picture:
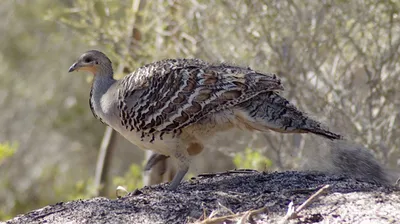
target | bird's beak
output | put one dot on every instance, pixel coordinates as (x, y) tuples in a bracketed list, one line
[(73, 67), (79, 66)]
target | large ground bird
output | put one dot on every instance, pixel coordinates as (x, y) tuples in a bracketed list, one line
[(174, 106)]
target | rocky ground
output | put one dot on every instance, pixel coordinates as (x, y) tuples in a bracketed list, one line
[(242, 196)]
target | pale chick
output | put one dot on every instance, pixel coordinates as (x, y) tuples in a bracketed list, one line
[(174, 106)]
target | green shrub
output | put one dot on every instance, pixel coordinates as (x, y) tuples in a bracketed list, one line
[(251, 159), (7, 149), (131, 180), (83, 189)]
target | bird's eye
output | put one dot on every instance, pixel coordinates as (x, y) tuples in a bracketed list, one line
[(87, 60)]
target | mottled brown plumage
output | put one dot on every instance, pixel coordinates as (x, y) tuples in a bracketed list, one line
[(173, 106), (177, 93)]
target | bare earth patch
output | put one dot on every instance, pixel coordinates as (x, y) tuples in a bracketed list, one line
[(236, 197)]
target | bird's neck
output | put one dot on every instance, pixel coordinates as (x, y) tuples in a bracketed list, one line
[(102, 89), (101, 84), (103, 80)]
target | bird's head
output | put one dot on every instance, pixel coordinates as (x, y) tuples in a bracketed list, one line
[(94, 62)]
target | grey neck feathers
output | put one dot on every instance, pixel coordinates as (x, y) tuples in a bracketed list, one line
[(103, 80), (101, 84)]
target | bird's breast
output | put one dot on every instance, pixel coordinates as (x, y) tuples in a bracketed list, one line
[(163, 146)]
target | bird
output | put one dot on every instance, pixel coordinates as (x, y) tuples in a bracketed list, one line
[(174, 106)]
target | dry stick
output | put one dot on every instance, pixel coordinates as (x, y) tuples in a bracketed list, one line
[(244, 218), (397, 184), (292, 213), (246, 215), (238, 171), (49, 213), (103, 162), (105, 152)]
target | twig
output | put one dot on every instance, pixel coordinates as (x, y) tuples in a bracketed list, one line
[(49, 213), (293, 213), (105, 152), (228, 172), (243, 216), (103, 161)]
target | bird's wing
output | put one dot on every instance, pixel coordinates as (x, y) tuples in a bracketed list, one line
[(170, 95)]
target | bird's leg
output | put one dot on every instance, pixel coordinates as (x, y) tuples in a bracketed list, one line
[(182, 159), (178, 178), (153, 160)]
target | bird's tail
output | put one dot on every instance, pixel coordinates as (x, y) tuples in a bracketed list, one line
[(270, 111), (316, 128)]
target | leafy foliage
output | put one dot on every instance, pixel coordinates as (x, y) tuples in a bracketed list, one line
[(251, 159), (131, 180), (7, 149), (82, 189)]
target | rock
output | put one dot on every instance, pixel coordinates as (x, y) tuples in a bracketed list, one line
[(232, 194)]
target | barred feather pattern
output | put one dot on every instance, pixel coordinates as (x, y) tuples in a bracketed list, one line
[(270, 110), (169, 95)]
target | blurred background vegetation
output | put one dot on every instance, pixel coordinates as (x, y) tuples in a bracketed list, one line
[(339, 61)]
